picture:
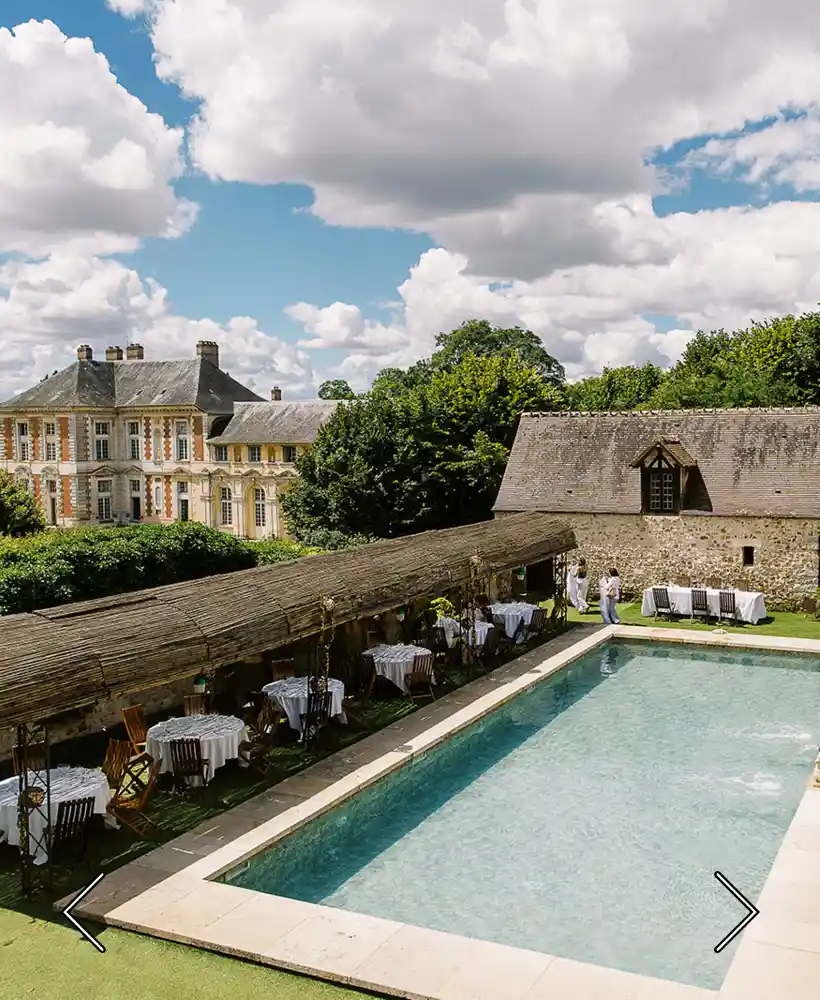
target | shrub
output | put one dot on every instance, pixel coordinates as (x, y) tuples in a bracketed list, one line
[(330, 540), (76, 564)]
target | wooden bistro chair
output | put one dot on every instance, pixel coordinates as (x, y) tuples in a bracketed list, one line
[(187, 762), (537, 622), (30, 758), (490, 648), (420, 680), (69, 835), (318, 712), (282, 669), (700, 604), (663, 606), (117, 755), (131, 799), (728, 605), (194, 705), (136, 727), (368, 668)]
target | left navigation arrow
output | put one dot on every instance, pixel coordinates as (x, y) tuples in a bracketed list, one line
[(75, 922)]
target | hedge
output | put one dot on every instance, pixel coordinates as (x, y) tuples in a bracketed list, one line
[(77, 564)]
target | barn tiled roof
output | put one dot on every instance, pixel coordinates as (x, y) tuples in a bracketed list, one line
[(749, 462), (276, 423), (115, 384)]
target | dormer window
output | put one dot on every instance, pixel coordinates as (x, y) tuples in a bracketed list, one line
[(663, 488), (665, 468)]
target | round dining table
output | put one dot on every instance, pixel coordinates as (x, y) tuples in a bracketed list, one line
[(291, 694), (219, 737), (66, 783), (396, 662)]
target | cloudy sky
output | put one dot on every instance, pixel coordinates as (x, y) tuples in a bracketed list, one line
[(324, 185)]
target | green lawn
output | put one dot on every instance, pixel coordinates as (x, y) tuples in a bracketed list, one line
[(784, 623), (52, 962)]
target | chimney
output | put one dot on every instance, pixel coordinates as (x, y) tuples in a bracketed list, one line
[(84, 353), (208, 350), (134, 352), (276, 394), (113, 354)]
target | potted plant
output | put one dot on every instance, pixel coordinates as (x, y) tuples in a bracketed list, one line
[(442, 608), (200, 684)]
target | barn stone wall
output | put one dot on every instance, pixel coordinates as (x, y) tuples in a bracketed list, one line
[(651, 550)]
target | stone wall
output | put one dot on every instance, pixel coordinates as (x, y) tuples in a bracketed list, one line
[(651, 550), (106, 714)]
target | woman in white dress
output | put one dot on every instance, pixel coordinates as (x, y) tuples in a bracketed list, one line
[(582, 586), (614, 595), (604, 590)]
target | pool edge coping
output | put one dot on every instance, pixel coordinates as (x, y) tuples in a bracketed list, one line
[(191, 907)]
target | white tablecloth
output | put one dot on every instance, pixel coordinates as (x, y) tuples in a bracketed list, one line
[(292, 695), (453, 629), (750, 605), (66, 783), (218, 735), (512, 615), (395, 662)]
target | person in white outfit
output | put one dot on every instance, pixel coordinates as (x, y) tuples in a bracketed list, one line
[(582, 586), (604, 588), (614, 595)]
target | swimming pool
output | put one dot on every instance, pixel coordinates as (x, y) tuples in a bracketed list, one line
[(586, 817)]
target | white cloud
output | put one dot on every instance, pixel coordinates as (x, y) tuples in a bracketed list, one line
[(785, 152), (49, 307), (84, 163), (514, 133)]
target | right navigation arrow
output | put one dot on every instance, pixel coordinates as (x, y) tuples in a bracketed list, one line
[(744, 923)]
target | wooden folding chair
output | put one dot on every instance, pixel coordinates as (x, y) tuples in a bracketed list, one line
[(30, 758), (420, 678), (188, 763), (131, 799), (69, 835), (490, 647), (368, 668), (663, 606), (117, 755), (700, 603), (194, 705), (136, 727), (728, 605)]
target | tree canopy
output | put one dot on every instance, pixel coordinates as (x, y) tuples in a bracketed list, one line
[(426, 454), (20, 511), (336, 388), (477, 336)]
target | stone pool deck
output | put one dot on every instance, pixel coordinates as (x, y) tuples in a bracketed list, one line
[(169, 892)]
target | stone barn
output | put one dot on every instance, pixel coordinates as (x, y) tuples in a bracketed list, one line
[(730, 497)]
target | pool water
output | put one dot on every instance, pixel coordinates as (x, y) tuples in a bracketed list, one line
[(585, 818)]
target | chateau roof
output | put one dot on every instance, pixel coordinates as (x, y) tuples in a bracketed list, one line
[(751, 462), (276, 422), (68, 657), (119, 384)]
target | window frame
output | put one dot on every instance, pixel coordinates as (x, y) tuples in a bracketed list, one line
[(660, 468), (225, 506), (181, 439), (220, 450), (254, 454), (260, 516), (289, 453)]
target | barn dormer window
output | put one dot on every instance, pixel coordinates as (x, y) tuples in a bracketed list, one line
[(665, 467), (663, 487)]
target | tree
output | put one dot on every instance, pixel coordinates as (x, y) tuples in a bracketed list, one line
[(627, 388), (425, 456), (336, 388), (20, 512), (477, 336)]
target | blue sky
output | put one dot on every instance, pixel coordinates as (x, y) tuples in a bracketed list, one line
[(426, 179), (251, 252)]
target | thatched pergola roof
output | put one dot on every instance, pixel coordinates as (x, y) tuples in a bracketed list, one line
[(75, 655)]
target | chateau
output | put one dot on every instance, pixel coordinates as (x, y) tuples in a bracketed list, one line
[(128, 440), (732, 495)]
